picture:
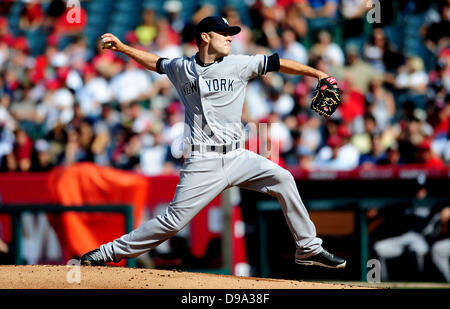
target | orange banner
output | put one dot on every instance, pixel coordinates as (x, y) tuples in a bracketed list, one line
[(87, 184)]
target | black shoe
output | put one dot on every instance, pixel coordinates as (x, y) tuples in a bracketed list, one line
[(92, 258), (324, 259)]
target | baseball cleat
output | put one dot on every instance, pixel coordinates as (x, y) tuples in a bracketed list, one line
[(92, 258), (323, 259)]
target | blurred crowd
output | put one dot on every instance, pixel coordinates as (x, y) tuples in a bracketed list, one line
[(81, 103)]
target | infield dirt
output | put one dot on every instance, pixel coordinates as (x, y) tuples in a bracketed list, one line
[(55, 277)]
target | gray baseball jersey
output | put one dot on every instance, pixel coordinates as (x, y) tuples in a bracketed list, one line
[(214, 96)]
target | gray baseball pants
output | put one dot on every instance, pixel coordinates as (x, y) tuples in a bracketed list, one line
[(395, 246), (203, 177), (440, 253)]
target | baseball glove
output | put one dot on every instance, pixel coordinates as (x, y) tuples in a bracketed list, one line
[(327, 97)]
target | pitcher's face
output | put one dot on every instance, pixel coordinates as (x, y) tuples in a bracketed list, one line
[(220, 42)]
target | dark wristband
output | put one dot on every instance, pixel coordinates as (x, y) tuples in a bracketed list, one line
[(273, 63), (158, 66)]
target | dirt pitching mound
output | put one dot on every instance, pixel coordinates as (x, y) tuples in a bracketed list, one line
[(64, 277)]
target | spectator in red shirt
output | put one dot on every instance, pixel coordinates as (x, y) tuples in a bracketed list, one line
[(31, 16), (71, 22), (352, 104), (23, 150), (5, 34), (427, 157)]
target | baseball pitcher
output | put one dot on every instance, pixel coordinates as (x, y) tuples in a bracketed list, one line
[(211, 85)]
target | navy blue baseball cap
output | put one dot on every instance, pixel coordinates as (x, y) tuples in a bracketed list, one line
[(216, 24)]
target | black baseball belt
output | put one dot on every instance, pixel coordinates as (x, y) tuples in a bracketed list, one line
[(223, 149)]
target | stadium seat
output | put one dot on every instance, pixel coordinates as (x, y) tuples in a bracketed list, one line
[(118, 30), (98, 20), (126, 20), (412, 41), (92, 35), (14, 25), (188, 10), (13, 18), (394, 34), (100, 7), (36, 41), (216, 3), (242, 9), (157, 5)]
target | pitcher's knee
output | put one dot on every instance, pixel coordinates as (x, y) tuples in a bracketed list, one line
[(420, 249), (284, 176), (419, 246)]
